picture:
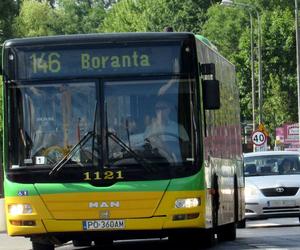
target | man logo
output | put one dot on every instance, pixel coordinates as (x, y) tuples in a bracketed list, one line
[(104, 214), (104, 204), (279, 189)]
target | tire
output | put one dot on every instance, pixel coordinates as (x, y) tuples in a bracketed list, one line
[(208, 238), (81, 243), (215, 202), (40, 246), (103, 242), (227, 232), (199, 237), (241, 224)]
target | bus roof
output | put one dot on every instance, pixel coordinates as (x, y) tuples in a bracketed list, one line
[(104, 37), (206, 41)]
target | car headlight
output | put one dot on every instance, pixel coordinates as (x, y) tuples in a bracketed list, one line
[(187, 203), (251, 191), (18, 209)]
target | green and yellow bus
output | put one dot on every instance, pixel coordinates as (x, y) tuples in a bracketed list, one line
[(2, 213), (116, 136)]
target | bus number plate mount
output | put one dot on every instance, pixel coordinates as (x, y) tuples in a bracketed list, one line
[(103, 224)]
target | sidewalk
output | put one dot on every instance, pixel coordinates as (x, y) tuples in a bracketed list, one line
[(14, 243)]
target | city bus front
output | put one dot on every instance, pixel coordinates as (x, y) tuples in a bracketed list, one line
[(102, 137)]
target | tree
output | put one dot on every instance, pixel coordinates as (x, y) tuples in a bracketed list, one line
[(278, 56), (40, 18), (154, 15), (8, 10), (35, 19), (79, 16), (279, 71), (228, 29)]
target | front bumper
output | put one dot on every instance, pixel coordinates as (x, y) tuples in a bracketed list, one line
[(272, 207)]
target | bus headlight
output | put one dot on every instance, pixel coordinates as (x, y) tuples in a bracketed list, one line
[(18, 209), (187, 203)]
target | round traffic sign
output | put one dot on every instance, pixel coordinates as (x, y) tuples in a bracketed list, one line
[(258, 138)]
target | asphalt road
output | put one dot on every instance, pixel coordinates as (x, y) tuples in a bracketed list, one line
[(269, 234)]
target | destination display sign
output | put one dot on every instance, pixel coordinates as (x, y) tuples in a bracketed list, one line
[(55, 62)]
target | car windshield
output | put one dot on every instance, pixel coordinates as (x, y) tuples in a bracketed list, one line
[(271, 165)]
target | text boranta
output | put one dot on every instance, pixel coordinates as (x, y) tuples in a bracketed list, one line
[(89, 61)]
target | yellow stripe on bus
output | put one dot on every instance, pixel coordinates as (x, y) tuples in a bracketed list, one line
[(62, 205)]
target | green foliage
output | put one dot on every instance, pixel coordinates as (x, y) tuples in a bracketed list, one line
[(229, 29), (8, 11), (35, 19), (154, 15), (279, 57), (75, 17), (131, 15), (224, 28), (43, 18)]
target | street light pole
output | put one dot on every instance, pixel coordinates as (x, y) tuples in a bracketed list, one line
[(252, 72), (259, 39), (260, 83), (298, 63)]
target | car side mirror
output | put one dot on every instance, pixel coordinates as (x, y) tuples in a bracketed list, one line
[(211, 94)]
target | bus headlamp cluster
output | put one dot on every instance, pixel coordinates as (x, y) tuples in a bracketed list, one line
[(187, 203), (18, 209)]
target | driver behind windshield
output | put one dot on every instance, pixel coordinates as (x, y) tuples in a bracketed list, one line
[(162, 126)]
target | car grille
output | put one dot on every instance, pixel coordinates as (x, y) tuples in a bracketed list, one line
[(283, 210), (281, 191)]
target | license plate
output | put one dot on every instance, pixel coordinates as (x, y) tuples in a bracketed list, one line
[(103, 224), (281, 203)]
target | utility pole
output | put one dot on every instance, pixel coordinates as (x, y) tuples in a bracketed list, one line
[(298, 63), (260, 82)]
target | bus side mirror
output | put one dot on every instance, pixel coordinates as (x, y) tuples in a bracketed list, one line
[(211, 94)]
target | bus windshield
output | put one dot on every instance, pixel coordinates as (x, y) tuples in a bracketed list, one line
[(132, 122)]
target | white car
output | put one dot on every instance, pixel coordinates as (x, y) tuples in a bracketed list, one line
[(272, 182)]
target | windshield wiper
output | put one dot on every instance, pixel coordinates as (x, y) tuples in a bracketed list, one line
[(123, 145), (73, 150)]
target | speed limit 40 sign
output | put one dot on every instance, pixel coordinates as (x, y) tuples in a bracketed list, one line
[(258, 138)]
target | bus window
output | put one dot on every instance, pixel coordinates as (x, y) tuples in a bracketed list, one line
[(57, 117), (133, 114)]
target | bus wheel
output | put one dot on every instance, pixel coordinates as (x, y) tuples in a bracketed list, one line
[(81, 243), (227, 232), (203, 237), (215, 201), (103, 242), (208, 237), (241, 223), (40, 246)]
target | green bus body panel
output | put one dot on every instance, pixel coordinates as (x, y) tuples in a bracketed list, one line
[(191, 183)]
